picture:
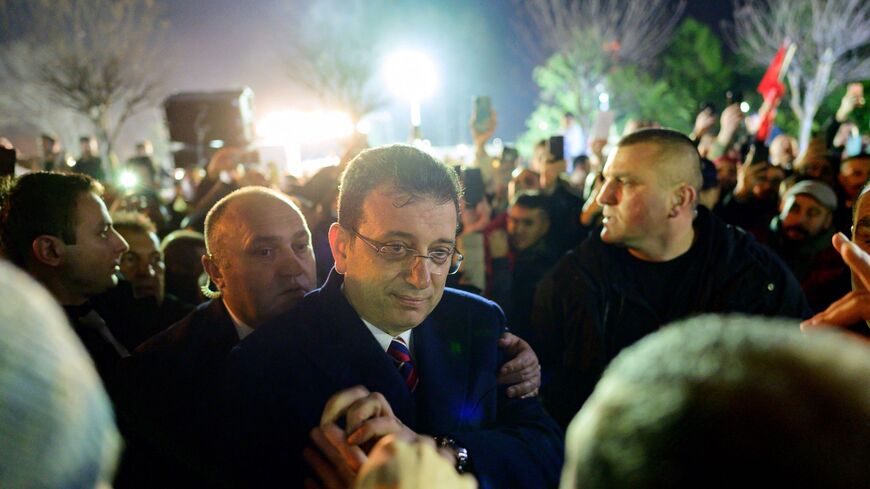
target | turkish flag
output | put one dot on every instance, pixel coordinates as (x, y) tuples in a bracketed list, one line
[(771, 89)]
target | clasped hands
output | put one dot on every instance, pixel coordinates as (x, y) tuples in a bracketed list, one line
[(340, 453)]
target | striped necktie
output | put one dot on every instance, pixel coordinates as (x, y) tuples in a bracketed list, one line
[(398, 351)]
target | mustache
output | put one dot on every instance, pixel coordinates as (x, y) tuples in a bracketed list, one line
[(798, 229)]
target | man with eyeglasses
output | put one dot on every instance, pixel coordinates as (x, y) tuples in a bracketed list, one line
[(384, 348)]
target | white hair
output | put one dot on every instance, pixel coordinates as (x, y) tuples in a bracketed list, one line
[(57, 428)]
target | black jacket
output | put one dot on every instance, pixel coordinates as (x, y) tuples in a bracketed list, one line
[(170, 422), (589, 307)]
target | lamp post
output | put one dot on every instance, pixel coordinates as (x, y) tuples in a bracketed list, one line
[(412, 76)]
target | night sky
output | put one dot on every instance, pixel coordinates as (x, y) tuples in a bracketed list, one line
[(223, 44)]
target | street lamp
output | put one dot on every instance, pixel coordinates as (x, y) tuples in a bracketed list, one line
[(411, 75)]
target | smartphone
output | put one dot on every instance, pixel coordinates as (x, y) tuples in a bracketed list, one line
[(482, 113), (7, 161), (557, 148), (472, 180), (509, 156), (733, 97)]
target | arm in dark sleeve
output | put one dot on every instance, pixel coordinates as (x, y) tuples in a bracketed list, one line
[(522, 447), (526, 449)]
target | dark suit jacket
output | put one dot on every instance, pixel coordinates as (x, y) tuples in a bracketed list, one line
[(174, 379), (281, 376)]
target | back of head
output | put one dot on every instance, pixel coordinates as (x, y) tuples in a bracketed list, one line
[(126, 221), (38, 204), (56, 423), (719, 401), (182, 253), (532, 199), (677, 156), (408, 171)]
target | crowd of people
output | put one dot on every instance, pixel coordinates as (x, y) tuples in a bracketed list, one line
[(393, 321)]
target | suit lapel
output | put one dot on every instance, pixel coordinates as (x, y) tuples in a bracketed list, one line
[(344, 350), (222, 335)]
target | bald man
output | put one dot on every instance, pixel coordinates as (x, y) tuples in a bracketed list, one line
[(659, 257), (260, 263), (260, 260)]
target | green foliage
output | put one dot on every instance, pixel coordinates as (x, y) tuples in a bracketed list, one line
[(639, 95), (694, 63), (692, 70), (788, 122)]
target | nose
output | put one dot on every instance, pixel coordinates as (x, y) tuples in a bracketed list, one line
[(290, 264), (146, 269), (419, 275), (607, 194), (121, 245)]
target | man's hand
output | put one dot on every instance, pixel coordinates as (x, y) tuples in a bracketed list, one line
[(854, 306), (395, 463), (477, 219), (703, 122), (748, 174), (523, 370), (498, 244), (850, 100), (729, 121), (224, 160), (480, 138), (334, 462), (368, 416)]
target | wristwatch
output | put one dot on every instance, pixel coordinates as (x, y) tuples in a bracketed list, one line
[(460, 453)]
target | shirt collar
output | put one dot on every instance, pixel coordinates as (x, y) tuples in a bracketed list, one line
[(242, 329), (384, 339)]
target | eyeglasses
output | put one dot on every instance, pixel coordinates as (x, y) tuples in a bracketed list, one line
[(445, 259)]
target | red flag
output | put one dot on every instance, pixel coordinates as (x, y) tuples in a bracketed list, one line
[(772, 89)]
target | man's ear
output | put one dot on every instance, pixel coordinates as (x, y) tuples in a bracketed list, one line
[(684, 199), (214, 272), (49, 250), (339, 242)]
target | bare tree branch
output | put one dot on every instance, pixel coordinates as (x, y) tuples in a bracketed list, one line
[(98, 57), (339, 64), (586, 39), (832, 37)]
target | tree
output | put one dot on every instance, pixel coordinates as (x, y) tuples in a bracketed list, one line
[(24, 104), (96, 58), (336, 56), (832, 38), (695, 63), (670, 89), (590, 38)]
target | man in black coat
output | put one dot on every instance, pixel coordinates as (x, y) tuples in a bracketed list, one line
[(659, 257), (259, 257), (384, 348)]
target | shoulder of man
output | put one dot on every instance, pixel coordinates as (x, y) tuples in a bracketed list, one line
[(748, 276)]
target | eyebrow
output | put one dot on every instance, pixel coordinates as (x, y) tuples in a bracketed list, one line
[(277, 239), (864, 222), (410, 237)]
